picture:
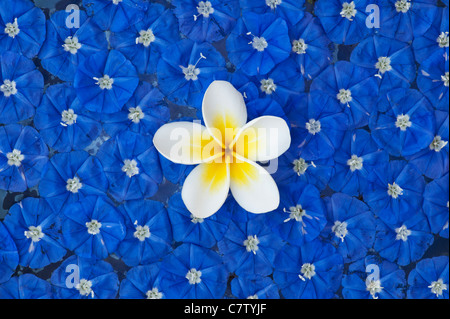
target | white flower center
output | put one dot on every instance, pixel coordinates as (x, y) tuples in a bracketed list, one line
[(251, 244), (34, 233), (300, 166), (384, 64), (68, 117), (373, 287), (105, 82), (402, 233), (194, 276), (437, 287), (255, 296), (307, 271), (142, 232), (71, 45), (348, 10), (437, 144), (355, 163), (340, 229), (394, 190), (154, 294), (205, 9), (145, 37), (12, 29), (93, 227), (443, 40), (8, 88), (445, 79), (73, 185), (313, 126), (191, 72), (268, 86), (84, 287), (299, 46), (402, 6), (135, 114), (15, 158), (130, 167), (344, 96), (403, 122), (259, 43), (296, 213), (273, 3), (196, 220), (116, 2)]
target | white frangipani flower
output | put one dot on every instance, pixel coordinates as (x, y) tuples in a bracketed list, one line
[(226, 149)]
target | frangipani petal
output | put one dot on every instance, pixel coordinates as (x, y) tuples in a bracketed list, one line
[(206, 189)]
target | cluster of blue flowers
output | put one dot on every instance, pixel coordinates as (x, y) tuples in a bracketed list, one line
[(364, 86)]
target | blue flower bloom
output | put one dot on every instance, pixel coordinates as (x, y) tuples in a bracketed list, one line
[(250, 247), (435, 205), (310, 46), (23, 28), (70, 177), (429, 280), (23, 157), (186, 69), (131, 164), (63, 124), (26, 286), (253, 286), (243, 84), (355, 161), (258, 43), (395, 192), (173, 172), (105, 81), (343, 21), (311, 271), (189, 229), (21, 87), (391, 61), (79, 278), (143, 42), (144, 113), (371, 278), (404, 123), (34, 227), (65, 48), (9, 257), (264, 106), (193, 272), (206, 21), (142, 282), (289, 10), (301, 215), (148, 232)]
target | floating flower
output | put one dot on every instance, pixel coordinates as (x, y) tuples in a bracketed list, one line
[(34, 227), (105, 81), (253, 286), (142, 282), (21, 87), (9, 257), (435, 205), (429, 280), (26, 286), (193, 272), (23, 157), (289, 10), (258, 43), (226, 149), (131, 164), (22, 28), (311, 271), (148, 232)]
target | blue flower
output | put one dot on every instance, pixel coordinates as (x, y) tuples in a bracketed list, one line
[(264, 106), (115, 15), (355, 161), (144, 113), (317, 125), (243, 84), (258, 43), (310, 46), (254, 286), (311, 271), (70, 177), (395, 191), (193, 272), (21, 87), (432, 161), (435, 205), (62, 122), (79, 278), (9, 257), (131, 164), (23, 28), (404, 123), (186, 69), (23, 157), (301, 215), (189, 229), (429, 280), (391, 61), (143, 42), (105, 81), (250, 247), (142, 282), (371, 278), (206, 21), (34, 227), (289, 10), (26, 286), (148, 232), (173, 172), (64, 47), (343, 21)]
